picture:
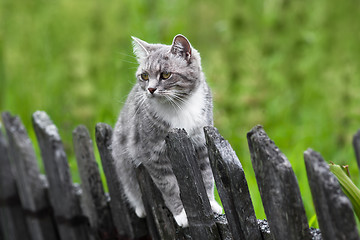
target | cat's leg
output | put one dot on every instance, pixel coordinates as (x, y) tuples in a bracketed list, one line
[(127, 175), (207, 175), (164, 178)]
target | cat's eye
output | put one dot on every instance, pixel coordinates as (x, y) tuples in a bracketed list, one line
[(165, 75), (144, 76)]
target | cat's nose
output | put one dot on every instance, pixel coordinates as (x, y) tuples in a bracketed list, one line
[(152, 90)]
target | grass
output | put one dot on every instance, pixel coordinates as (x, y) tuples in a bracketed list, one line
[(291, 66), (347, 186)]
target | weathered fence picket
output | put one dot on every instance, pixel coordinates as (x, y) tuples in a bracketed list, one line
[(278, 188), (232, 186), (127, 223), (95, 203), (2, 236), (71, 222), (333, 208), (192, 190), (12, 218), (33, 208), (159, 219), (31, 186)]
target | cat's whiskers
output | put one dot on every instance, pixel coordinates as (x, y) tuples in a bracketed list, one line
[(179, 98), (123, 60), (175, 101), (141, 100), (127, 55), (174, 93)]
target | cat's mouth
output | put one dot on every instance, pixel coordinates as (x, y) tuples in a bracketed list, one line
[(174, 98), (153, 95), (157, 96), (160, 97)]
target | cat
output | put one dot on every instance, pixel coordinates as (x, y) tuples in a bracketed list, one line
[(171, 92)]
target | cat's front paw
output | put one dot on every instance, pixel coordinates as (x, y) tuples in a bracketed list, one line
[(216, 208), (140, 212), (181, 219)]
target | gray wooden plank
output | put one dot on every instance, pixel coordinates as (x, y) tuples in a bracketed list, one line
[(181, 153), (12, 218), (96, 207), (278, 188), (232, 186), (159, 219), (2, 235), (356, 145), (125, 219), (71, 222), (13, 221), (333, 209), (32, 190), (223, 227), (265, 230), (7, 180)]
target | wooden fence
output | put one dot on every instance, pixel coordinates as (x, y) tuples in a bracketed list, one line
[(38, 207)]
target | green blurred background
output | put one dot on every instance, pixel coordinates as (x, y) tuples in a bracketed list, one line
[(291, 66)]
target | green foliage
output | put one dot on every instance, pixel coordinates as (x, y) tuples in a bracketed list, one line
[(313, 222), (348, 187), (292, 66)]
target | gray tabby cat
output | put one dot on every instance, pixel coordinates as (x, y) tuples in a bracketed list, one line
[(171, 92)]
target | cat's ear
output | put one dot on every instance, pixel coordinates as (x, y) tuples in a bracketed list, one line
[(181, 46), (141, 48)]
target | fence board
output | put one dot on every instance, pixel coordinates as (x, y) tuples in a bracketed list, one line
[(160, 221), (232, 187), (72, 224), (26, 213), (31, 187), (125, 219), (265, 230), (333, 208), (12, 219), (223, 227), (356, 145), (181, 153), (2, 236), (95, 203), (278, 188)]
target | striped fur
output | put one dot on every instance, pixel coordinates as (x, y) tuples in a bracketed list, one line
[(181, 101)]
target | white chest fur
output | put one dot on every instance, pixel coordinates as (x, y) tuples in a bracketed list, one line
[(189, 115)]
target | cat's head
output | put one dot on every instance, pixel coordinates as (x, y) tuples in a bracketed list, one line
[(168, 72)]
